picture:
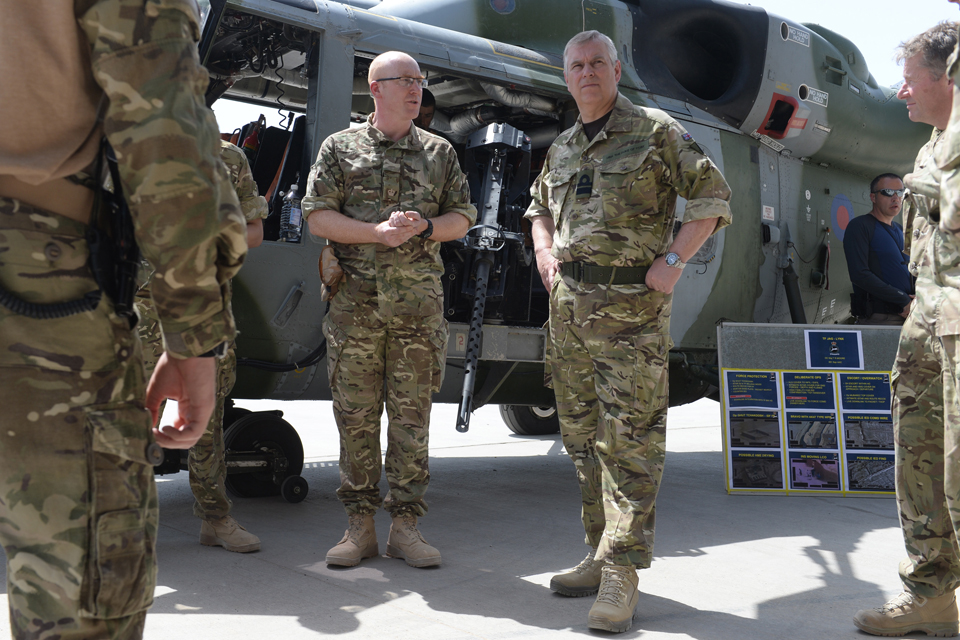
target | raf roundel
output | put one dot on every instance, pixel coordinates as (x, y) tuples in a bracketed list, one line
[(841, 211)]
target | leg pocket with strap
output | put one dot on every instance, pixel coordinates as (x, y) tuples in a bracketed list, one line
[(122, 572)]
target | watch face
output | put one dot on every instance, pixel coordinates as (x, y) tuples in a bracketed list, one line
[(672, 259)]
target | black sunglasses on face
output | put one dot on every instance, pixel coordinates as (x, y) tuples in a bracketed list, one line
[(890, 192)]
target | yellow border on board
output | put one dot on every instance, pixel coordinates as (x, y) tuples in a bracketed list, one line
[(784, 449)]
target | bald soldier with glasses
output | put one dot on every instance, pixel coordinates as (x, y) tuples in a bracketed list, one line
[(883, 287), (386, 194)]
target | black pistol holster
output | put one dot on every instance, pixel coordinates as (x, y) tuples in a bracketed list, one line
[(114, 254)]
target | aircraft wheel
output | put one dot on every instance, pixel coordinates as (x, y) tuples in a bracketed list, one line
[(231, 414), (530, 421), (294, 489), (262, 451)]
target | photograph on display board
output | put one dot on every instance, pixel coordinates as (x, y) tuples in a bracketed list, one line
[(834, 349), (865, 391), (870, 472), (814, 471), (754, 429), (812, 430), (868, 431), (756, 470), (752, 389), (808, 390)]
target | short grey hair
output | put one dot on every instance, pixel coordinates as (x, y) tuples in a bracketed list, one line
[(935, 45), (590, 36)]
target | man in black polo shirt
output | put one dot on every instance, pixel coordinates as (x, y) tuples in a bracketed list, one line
[(873, 243)]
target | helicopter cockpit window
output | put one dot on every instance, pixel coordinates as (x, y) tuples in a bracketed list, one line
[(204, 12)]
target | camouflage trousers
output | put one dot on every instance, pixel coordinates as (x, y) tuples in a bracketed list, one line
[(372, 361), (78, 504), (926, 423), (608, 362), (206, 461)]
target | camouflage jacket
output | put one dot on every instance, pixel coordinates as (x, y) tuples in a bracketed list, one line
[(252, 204), (365, 175), (613, 199), (143, 62), (921, 218), (946, 253)]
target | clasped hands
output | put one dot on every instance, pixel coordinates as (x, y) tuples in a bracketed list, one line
[(400, 227)]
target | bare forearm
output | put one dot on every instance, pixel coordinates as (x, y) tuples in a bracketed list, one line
[(449, 226), (542, 229), (335, 226), (691, 237)]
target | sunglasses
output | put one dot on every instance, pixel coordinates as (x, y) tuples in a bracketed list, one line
[(890, 192), (406, 82)]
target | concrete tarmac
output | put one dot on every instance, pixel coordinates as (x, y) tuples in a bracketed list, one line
[(505, 514)]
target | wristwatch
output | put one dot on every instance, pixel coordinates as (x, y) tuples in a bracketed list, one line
[(428, 231), (673, 260)]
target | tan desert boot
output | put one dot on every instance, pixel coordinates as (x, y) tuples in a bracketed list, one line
[(406, 543), (908, 613), (359, 542), (582, 580), (616, 600), (227, 533)]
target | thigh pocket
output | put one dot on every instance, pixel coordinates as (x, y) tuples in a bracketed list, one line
[(124, 574), (438, 343), (121, 574), (651, 372), (336, 340)]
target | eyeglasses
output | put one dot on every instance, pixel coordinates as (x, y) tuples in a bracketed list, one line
[(406, 82), (890, 192)]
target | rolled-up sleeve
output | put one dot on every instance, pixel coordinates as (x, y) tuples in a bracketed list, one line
[(695, 177)]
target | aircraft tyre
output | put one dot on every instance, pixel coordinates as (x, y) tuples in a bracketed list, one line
[(265, 437), (524, 420)]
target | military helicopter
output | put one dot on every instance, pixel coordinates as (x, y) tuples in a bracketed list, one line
[(789, 112)]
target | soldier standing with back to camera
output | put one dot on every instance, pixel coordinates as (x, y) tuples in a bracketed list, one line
[(386, 195), (78, 504), (926, 421), (602, 221)]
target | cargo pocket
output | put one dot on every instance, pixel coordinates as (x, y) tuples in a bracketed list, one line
[(122, 571), (336, 339), (438, 342), (548, 355), (651, 374), (628, 188)]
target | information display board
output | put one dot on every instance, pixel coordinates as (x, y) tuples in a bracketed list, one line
[(806, 409)]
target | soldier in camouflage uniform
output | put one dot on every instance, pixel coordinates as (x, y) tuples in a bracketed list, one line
[(386, 194), (206, 462), (926, 421), (78, 505), (602, 215)]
